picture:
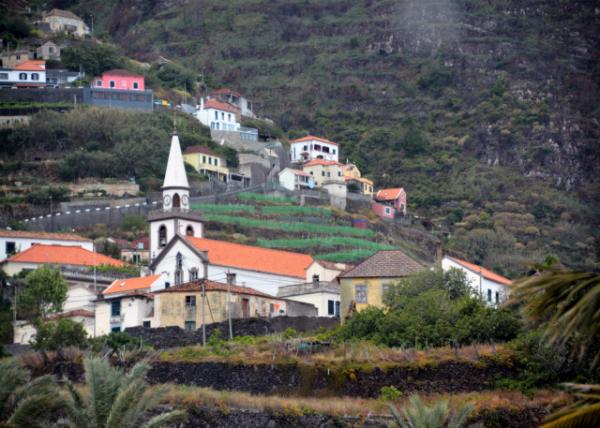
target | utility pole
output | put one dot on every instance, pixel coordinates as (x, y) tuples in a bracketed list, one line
[(230, 278), (202, 312)]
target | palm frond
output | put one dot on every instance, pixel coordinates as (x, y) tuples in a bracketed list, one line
[(35, 410), (104, 382), (165, 419), (580, 416), (12, 377)]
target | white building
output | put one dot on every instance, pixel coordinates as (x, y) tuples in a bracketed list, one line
[(30, 73), (235, 98), (325, 296), (310, 147), (218, 115), (295, 179), (15, 241), (117, 312), (63, 21), (492, 288)]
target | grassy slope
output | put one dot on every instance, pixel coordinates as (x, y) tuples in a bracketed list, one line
[(466, 100)]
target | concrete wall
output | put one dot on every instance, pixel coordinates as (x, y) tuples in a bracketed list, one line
[(320, 300), (374, 292), (42, 95)]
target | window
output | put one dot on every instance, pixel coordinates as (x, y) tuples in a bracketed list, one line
[(3, 76), (328, 174), (193, 274), (146, 324), (323, 173), (18, 57), (337, 309), (497, 297), (176, 201), (98, 82), (178, 277), (388, 210), (10, 248), (190, 326), (334, 151), (190, 301), (167, 284), (384, 289), (204, 158), (489, 295), (135, 259), (305, 148), (50, 49), (222, 116), (315, 279), (162, 236), (111, 83), (229, 117), (115, 308), (22, 76), (330, 307), (360, 293), (317, 147), (35, 76), (135, 85), (189, 231), (271, 308), (339, 173), (115, 329), (216, 162), (216, 115), (325, 149)]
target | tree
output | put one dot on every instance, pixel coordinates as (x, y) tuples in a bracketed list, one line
[(44, 293), (53, 335), (25, 402), (436, 415), (568, 304), (117, 398)]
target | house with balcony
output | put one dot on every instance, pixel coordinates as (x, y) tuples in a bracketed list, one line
[(328, 175), (119, 79), (234, 98), (355, 182), (120, 89), (390, 203), (310, 147), (207, 162), (295, 179), (218, 115), (64, 21)]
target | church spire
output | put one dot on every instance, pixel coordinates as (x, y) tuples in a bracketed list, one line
[(175, 176)]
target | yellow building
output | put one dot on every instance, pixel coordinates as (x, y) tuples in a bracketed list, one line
[(353, 178), (181, 305), (366, 284), (207, 162)]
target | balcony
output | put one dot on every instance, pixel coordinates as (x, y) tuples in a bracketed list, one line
[(117, 319)]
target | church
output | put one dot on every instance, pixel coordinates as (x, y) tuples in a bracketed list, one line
[(180, 253)]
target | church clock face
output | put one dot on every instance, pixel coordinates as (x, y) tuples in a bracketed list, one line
[(185, 200), (167, 200)]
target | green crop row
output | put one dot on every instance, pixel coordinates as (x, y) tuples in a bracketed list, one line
[(259, 197), (231, 208), (346, 256), (325, 241), (296, 210), (290, 226)]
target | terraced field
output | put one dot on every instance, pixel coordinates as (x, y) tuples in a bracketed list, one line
[(279, 222)]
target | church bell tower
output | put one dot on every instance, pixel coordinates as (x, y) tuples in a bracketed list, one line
[(175, 216)]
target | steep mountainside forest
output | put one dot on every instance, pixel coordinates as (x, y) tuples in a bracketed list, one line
[(486, 111)]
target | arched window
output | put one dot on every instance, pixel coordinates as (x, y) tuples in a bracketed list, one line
[(22, 76), (162, 236), (189, 231), (176, 201), (178, 269), (35, 76)]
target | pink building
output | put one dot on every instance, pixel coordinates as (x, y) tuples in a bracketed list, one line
[(119, 79), (389, 203)]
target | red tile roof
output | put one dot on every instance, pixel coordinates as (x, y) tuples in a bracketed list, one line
[(145, 241), (31, 65), (487, 274), (226, 91), (389, 194), (42, 235), (63, 255), (275, 262), (213, 286), (131, 284), (320, 162), (313, 138), (218, 105), (201, 149)]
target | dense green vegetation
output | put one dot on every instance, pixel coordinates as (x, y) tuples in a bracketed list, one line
[(433, 308), (259, 197), (324, 241), (458, 102), (221, 208), (296, 211)]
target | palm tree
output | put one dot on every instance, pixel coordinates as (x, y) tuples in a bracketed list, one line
[(570, 303), (24, 402), (116, 399), (438, 415)]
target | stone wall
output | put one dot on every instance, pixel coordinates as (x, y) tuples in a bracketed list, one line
[(169, 337), (42, 95)]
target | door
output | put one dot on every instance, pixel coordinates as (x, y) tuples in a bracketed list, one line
[(245, 305)]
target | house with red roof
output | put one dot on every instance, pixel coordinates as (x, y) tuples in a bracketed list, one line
[(492, 287), (218, 115), (15, 241), (28, 73), (310, 147), (295, 179), (390, 203), (56, 255)]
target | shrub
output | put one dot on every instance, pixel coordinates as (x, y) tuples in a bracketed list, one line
[(54, 335), (45, 194), (133, 223), (389, 393)]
